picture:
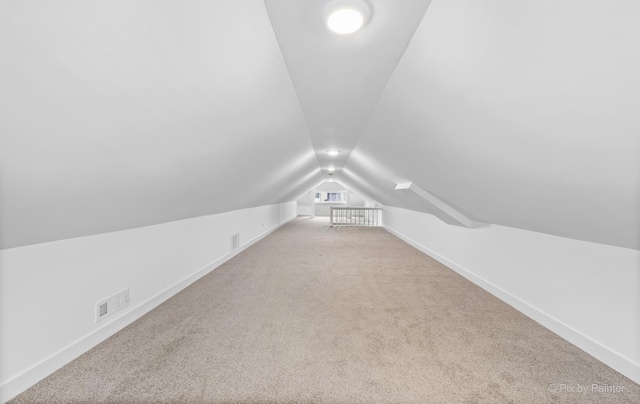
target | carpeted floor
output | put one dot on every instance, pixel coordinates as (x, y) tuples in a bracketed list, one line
[(316, 314)]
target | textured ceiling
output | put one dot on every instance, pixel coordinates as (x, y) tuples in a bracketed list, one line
[(122, 114)]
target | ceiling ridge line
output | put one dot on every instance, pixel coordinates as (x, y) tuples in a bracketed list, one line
[(386, 84), (293, 86)]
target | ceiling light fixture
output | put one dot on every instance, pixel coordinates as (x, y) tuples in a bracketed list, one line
[(333, 152), (332, 169), (346, 16), (345, 21)]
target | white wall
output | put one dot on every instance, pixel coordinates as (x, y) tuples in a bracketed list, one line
[(306, 204), (354, 199), (48, 291), (587, 293), (323, 209), (330, 187)]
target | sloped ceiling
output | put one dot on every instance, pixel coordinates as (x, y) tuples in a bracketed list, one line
[(523, 114), (122, 114), (339, 78)]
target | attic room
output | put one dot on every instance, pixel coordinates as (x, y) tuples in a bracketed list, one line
[(169, 172)]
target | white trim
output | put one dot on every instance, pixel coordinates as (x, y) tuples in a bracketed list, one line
[(611, 358), (22, 381), (455, 216)]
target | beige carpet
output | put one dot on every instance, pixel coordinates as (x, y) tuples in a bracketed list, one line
[(316, 314)]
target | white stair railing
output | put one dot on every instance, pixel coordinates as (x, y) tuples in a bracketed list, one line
[(352, 216)]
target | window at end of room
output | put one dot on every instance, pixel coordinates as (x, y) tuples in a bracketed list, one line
[(331, 197)]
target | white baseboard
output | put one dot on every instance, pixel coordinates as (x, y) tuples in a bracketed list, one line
[(613, 359), (57, 360)]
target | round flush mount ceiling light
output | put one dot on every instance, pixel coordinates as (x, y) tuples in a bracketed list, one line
[(346, 16), (345, 21), (333, 152)]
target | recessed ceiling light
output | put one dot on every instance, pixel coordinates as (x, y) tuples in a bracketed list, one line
[(345, 21), (333, 152)]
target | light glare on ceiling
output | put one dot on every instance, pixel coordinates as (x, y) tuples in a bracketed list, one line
[(333, 152), (345, 21), (332, 169)]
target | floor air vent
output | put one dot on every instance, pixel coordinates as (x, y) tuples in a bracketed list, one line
[(235, 241)]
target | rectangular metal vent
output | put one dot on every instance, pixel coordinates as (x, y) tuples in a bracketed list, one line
[(235, 241), (111, 305)]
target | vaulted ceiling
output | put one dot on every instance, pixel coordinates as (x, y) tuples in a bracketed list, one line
[(115, 115)]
